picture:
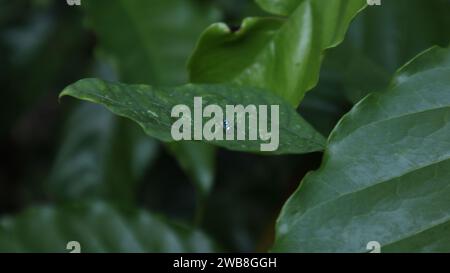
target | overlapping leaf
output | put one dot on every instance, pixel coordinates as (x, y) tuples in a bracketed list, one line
[(385, 175)]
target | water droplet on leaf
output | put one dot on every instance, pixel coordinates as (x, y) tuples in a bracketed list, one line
[(226, 125)]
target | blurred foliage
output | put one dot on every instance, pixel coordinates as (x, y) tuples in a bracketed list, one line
[(98, 228), (99, 152), (383, 39), (43, 47), (67, 167)]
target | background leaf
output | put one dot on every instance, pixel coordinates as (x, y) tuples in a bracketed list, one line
[(98, 227), (155, 37), (385, 175), (102, 156)]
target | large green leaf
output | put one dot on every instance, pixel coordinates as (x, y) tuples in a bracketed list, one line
[(152, 107), (385, 175), (97, 227), (100, 152), (280, 55), (156, 38)]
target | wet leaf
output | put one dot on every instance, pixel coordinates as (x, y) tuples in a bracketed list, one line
[(151, 108), (385, 174)]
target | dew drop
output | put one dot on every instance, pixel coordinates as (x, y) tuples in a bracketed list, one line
[(226, 125)]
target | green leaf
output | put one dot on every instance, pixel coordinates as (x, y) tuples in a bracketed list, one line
[(156, 38), (98, 227), (385, 174), (280, 55), (101, 155), (151, 108)]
